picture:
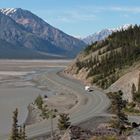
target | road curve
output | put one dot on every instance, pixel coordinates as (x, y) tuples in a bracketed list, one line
[(90, 104)]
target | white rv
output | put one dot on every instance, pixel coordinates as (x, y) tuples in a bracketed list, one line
[(87, 88)]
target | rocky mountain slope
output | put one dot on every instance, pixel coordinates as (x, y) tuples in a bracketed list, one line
[(112, 63), (63, 43), (16, 40), (103, 34)]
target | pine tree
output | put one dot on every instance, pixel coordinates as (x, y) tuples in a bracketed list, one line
[(14, 133), (20, 132), (63, 121), (17, 134), (39, 101), (133, 92), (139, 84), (117, 104), (23, 136)]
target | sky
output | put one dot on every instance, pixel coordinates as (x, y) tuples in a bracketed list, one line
[(81, 17)]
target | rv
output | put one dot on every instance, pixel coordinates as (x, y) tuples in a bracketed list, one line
[(87, 88)]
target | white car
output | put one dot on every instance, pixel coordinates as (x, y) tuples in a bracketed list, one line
[(87, 88)]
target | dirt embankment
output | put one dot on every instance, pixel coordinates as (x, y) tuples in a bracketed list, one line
[(71, 71), (125, 84), (61, 102)]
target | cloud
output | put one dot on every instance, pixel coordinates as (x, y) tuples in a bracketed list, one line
[(127, 9), (60, 19), (84, 17), (125, 15), (133, 9), (72, 17), (86, 13)]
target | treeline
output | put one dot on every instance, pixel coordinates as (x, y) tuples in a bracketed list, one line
[(120, 50)]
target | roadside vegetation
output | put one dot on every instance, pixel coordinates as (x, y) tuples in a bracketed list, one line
[(117, 52), (120, 120), (133, 108), (63, 122), (18, 131), (46, 113)]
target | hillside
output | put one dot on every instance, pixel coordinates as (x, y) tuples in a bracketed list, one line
[(104, 62), (48, 35)]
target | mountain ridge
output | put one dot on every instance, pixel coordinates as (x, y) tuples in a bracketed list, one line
[(37, 26), (17, 34), (100, 35), (15, 37)]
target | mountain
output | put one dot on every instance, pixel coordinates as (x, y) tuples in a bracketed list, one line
[(103, 34), (20, 38), (40, 28), (10, 51), (104, 62)]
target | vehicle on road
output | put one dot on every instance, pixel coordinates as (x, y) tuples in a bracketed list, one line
[(87, 88)]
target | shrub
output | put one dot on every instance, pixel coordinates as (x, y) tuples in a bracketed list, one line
[(45, 96), (39, 101), (132, 104)]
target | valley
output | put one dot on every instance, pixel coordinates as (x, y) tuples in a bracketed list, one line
[(84, 109), (37, 59)]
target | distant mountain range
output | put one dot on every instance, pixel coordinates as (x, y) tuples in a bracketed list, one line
[(98, 36), (25, 35)]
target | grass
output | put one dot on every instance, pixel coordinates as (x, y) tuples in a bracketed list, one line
[(130, 109)]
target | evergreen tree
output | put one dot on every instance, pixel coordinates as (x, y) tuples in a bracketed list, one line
[(17, 134), (14, 133), (23, 136), (117, 104), (20, 132), (39, 101), (139, 84), (63, 121), (133, 92)]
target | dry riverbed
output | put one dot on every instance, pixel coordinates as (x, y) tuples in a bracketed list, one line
[(18, 88), (18, 94)]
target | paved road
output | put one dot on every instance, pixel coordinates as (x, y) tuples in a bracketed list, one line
[(91, 104)]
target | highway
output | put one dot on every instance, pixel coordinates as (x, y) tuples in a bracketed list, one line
[(90, 104)]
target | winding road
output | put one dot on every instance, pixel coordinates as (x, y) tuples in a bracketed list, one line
[(90, 104)]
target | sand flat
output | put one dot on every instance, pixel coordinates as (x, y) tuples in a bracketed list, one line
[(15, 73)]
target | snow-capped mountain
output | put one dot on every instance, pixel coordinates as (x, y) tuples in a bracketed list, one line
[(38, 28), (103, 34)]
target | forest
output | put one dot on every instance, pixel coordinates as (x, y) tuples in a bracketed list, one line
[(118, 51)]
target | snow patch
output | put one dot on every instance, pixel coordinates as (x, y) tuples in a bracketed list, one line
[(78, 37), (7, 11)]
